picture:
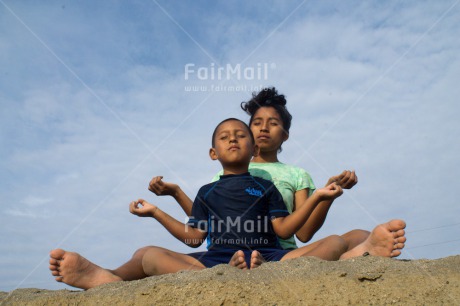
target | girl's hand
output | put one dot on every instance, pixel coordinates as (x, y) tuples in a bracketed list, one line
[(160, 188), (347, 179), (142, 208), (330, 192)]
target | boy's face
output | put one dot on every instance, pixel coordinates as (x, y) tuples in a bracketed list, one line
[(233, 145)]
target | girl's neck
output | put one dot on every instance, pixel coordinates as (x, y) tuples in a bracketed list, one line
[(266, 157)]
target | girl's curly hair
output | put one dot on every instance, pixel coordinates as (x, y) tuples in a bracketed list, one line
[(268, 97)]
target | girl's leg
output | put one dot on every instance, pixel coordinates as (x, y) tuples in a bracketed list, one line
[(329, 248), (355, 237), (157, 261), (385, 240)]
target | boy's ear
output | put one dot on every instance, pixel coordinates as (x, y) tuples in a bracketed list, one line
[(213, 154), (256, 151)]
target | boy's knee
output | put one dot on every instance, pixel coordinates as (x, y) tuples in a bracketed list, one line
[(150, 259), (141, 252)]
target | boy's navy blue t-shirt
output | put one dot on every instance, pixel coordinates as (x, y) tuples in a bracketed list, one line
[(236, 211)]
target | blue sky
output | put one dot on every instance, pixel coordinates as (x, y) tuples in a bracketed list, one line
[(95, 102)]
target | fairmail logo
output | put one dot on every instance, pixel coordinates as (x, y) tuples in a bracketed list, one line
[(228, 72)]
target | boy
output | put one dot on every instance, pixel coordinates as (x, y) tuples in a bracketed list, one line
[(236, 212)]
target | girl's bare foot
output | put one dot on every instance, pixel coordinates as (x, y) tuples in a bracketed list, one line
[(238, 260), (385, 240), (256, 259), (75, 270)]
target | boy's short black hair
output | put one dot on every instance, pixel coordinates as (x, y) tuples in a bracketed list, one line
[(231, 119)]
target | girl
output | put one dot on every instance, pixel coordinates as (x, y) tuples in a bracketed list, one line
[(270, 122)]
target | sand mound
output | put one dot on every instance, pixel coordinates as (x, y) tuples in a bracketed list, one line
[(303, 281)]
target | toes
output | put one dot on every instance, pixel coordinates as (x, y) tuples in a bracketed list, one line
[(257, 256), (395, 225), (400, 240), (57, 254), (395, 253), (238, 260), (55, 273), (54, 262), (399, 246), (399, 233), (257, 261), (241, 264)]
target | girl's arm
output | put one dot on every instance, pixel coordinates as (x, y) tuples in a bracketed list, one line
[(160, 188), (346, 180), (316, 219), (191, 236), (285, 227)]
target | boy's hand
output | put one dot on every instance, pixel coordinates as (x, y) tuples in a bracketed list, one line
[(142, 208), (347, 179), (330, 192), (160, 188)]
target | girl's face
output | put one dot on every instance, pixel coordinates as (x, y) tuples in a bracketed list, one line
[(268, 130)]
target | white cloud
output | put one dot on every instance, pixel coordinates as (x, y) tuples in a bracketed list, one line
[(29, 214), (33, 201), (68, 177)]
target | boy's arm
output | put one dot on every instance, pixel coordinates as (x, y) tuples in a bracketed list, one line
[(285, 227), (346, 180), (160, 188), (190, 236)]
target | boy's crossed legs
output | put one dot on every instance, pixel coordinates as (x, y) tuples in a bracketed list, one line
[(73, 269)]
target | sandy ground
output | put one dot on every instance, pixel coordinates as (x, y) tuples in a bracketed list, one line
[(305, 281)]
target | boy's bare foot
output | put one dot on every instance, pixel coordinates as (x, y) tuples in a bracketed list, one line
[(75, 270), (385, 240), (256, 259), (238, 260)]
